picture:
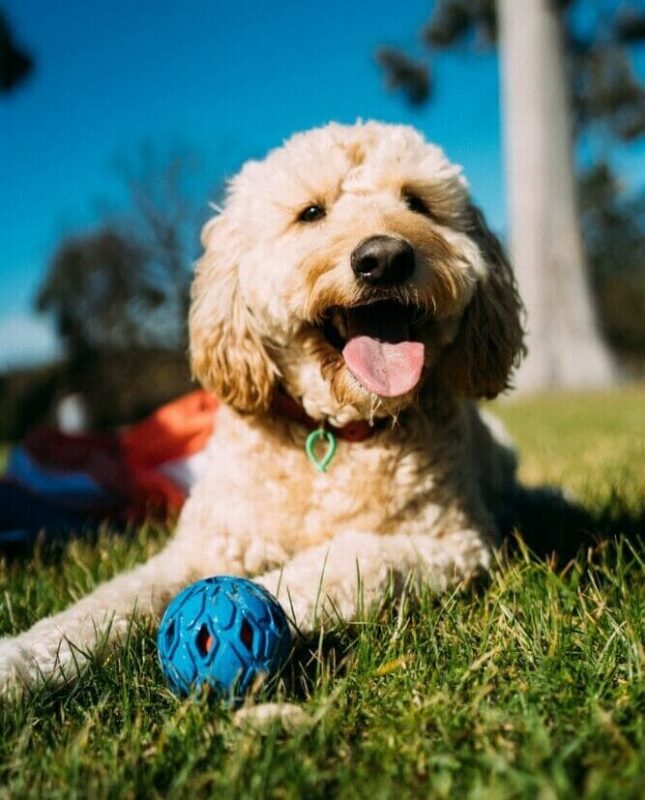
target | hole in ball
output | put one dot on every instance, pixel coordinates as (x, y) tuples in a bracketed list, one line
[(246, 635), (204, 641), (170, 633)]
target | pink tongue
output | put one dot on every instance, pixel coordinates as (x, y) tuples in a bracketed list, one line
[(384, 368)]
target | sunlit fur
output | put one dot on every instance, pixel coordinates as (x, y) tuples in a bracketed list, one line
[(417, 501)]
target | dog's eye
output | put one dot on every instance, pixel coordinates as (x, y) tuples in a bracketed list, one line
[(311, 213), (415, 203)]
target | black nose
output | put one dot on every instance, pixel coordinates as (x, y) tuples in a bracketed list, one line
[(383, 260)]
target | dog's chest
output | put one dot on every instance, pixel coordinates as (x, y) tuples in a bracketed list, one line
[(273, 492)]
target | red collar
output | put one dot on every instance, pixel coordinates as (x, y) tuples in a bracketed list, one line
[(357, 431)]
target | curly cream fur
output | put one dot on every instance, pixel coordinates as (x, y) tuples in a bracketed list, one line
[(415, 501)]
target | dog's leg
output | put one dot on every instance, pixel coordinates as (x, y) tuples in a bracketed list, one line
[(354, 569), (55, 647)]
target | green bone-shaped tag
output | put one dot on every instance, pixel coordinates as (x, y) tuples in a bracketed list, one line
[(312, 440)]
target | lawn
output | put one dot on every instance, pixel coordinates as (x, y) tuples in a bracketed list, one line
[(530, 686)]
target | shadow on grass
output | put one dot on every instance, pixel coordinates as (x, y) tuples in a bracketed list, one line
[(317, 660), (553, 526)]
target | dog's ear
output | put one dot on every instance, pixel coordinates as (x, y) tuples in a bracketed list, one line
[(489, 344), (226, 350)]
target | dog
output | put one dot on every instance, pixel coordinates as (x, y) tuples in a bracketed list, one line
[(350, 296)]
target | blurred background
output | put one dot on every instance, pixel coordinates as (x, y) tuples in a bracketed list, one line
[(120, 123)]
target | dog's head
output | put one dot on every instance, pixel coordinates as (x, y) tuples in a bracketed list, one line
[(351, 268)]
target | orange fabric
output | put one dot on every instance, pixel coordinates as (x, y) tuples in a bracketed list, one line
[(176, 430)]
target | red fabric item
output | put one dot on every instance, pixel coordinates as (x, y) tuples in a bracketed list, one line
[(127, 462), (98, 455)]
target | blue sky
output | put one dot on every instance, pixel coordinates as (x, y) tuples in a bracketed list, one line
[(226, 80)]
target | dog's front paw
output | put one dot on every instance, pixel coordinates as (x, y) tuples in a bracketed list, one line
[(13, 665), (316, 596), (34, 657), (299, 605)]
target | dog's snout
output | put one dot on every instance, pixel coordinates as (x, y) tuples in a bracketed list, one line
[(383, 260)]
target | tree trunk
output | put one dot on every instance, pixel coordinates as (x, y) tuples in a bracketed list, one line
[(565, 348)]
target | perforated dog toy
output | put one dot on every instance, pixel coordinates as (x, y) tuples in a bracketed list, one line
[(222, 631)]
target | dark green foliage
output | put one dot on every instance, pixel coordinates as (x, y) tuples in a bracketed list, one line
[(25, 399), (606, 91), (404, 74), (630, 26), (98, 290), (614, 229), (126, 283), (15, 63), (453, 22)]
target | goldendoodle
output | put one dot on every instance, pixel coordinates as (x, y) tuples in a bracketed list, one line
[(349, 286)]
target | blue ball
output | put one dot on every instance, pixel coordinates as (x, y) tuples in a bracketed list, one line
[(222, 631)]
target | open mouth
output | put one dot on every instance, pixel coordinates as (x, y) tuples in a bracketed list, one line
[(378, 345)]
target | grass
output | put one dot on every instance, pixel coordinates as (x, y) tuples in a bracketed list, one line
[(531, 686)]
